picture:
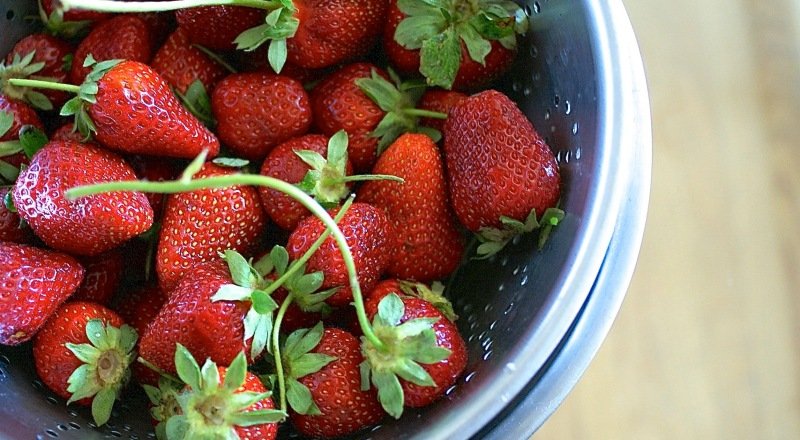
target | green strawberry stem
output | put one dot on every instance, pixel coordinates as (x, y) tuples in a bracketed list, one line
[(424, 113), (118, 6), (50, 85), (277, 349), (187, 185), (157, 370)]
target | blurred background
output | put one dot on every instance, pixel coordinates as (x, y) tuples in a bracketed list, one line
[(707, 343)]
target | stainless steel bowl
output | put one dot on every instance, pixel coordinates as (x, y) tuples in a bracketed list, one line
[(533, 320)]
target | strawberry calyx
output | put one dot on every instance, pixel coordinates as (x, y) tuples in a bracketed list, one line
[(437, 28), (279, 25), (22, 68), (433, 294), (196, 100), (163, 403), (492, 240), (86, 95), (105, 370), (405, 346), (398, 100), (55, 24), (211, 407)]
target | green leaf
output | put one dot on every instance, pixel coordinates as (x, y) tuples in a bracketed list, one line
[(247, 399), (412, 31), (209, 374), (194, 166), (86, 353), (96, 332), (383, 93), (391, 309), (197, 101), (101, 405), (431, 132), (308, 283), (80, 383), (264, 265), (71, 107), (411, 371), (300, 399), (276, 54), (477, 46), (231, 162), (252, 38), (232, 292), (153, 393), (440, 58), (7, 148), (365, 370), (187, 368), (257, 417), (32, 140), (236, 372), (307, 341), (6, 121), (310, 363), (432, 354), (280, 259), (390, 393), (38, 100), (415, 326), (420, 7), (240, 270), (177, 427), (127, 338), (313, 159), (262, 302), (9, 173), (337, 151)]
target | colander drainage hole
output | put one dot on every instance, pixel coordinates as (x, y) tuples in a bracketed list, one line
[(74, 425), (10, 14), (52, 433)]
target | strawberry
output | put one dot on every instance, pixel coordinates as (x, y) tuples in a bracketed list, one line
[(87, 226), (103, 276), (209, 329), (56, 56), (67, 24), (257, 111), (220, 402), (442, 362), (83, 354), (12, 228), (198, 225), (68, 132), (14, 115), (454, 44), (501, 173), (155, 169), (216, 27), (323, 365), (428, 241), (368, 232), (125, 37), (285, 163), (438, 100), (180, 63), (72, 15), (160, 24), (139, 307), (33, 284)]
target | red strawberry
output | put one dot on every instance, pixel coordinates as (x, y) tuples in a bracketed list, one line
[(337, 405), (33, 284), (334, 31), (428, 243), (443, 373), (155, 169), (474, 44), (198, 225), (56, 54), (438, 100), (209, 329), (86, 226), (369, 234), (498, 166), (283, 163), (215, 27), (12, 228), (257, 111), (14, 115), (180, 63), (83, 354), (139, 307), (103, 275), (160, 24), (124, 37), (67, 132)]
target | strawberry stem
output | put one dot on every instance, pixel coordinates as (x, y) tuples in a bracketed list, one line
[(366, 177), (50, 85), (424, 113), (177, 186), (117, 6), (276, 349)]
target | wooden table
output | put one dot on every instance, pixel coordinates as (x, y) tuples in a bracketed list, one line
[(707, 343)]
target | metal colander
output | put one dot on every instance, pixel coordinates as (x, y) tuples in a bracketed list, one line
[(532, 320)]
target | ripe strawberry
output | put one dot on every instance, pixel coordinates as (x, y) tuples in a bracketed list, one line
[(285, 164), (468, 46), (326, 363), (87, 226), (33, 284), (428, 242), (438, 100), (160, 24), (12, 228), (14, 115), (103, 275), (198, 225), (216, 27), (140, 306), (500, 170), (155, 169), (220, 402), (369, 234), (83, 354), (394, 310), (56, 54), (209, 329), (67, 132), (257, 111), (180, 63), (124, 37), (69, 24)]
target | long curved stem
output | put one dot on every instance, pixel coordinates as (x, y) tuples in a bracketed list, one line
[(309, 203), (154, 6), (49, 85), (276, 349)]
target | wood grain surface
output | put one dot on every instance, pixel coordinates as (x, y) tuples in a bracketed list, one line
[(707, 343)]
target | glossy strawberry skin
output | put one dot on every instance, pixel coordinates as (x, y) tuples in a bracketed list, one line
[(369, 234), (34, 282), (497, 163), (180, 63), (335, 31), (282, 163), (124, 37), (339, 104), (428, 242), (87, 226), (12, 228), (67, 132), (209, 329), (103, 276), (136, 112), (216, 27), (23, 115), (140, 306), (336, 389), (257, 111), (155, 169), (54, 362), (444, 373), (51, 51), (198, 225), (438, 100)]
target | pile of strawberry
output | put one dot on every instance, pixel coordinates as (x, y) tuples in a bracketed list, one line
[(332, 169)]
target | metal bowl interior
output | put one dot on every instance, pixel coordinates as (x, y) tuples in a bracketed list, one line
[(514, 308)]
